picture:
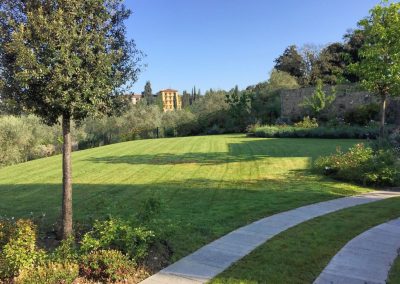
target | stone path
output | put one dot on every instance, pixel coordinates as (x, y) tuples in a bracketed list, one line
[(210, 260), (365, 259)]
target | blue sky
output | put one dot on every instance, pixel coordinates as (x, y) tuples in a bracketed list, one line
[(220, 43)]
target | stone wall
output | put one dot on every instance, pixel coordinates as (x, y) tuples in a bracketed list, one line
[(348, 97)]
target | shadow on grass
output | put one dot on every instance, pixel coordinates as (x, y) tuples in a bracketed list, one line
[(247, 149)]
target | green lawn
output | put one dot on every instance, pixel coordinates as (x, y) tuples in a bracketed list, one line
[(299, 254), (208, 185), (394, 276)]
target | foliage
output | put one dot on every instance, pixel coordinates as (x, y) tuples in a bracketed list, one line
[(179, 123), (394, 140), (285, 131), (331, 64), (54, 74), (148, 93), (119, 235), (291, 62), (49, 273), (362, 115), (73, 75), (106, 265), (353, 41), (25, 137), (19, 249), (379, 67), (281, 80), (265, 96), (239, 108), (362, 165), (319, 101), (307, 122), (66, 252), (212, 109)]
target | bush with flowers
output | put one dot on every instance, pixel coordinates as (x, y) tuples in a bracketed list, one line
[(362, 165)]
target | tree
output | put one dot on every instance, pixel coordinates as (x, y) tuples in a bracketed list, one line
[(379, 65), (65, 60), (310, 54), (239, 107), (331, 64), (185, 99), (193, 96), (291, 62), (148, 93), (353, 41), (319, 101)]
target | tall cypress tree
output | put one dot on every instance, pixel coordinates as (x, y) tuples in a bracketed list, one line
[(148, 93), (185, 99)]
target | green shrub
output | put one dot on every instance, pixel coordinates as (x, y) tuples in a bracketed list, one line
[(106, 265), (307, 122), (19, 251), (119, 235), (363, 114), (361, 165), (67, 251), (284, 131), (49, 273)]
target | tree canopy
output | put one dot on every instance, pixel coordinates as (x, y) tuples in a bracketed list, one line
[(65, 59), (379, 65)]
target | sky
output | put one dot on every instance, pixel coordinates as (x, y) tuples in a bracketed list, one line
[(222, 43)]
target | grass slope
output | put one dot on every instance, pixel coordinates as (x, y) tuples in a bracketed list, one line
[(208, 185)]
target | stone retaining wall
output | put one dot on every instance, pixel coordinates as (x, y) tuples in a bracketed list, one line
[(348, 97)]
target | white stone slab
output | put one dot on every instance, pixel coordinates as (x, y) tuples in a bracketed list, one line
[(368, 257)]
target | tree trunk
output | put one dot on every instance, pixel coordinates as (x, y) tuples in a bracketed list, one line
[(67, 179), (383, 115)]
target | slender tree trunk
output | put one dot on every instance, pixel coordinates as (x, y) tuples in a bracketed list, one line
[(67, 179), (383, 115)]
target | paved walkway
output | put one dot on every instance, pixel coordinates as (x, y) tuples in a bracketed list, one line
[(210, 260), (365, 259)]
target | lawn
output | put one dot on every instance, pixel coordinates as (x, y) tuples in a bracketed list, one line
[(207, 185), (299, 254)]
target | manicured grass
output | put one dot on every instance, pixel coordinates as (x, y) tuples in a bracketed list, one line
[(208, 185), (299, 254), (394, 276)]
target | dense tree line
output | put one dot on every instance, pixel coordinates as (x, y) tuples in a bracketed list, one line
[(309, 63)]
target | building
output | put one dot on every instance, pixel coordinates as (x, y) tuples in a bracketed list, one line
[(135, 98), (171, 100)]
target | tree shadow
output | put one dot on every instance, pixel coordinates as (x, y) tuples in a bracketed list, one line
[(246, 149), (193, 212)]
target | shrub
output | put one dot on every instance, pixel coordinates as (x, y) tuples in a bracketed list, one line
[(354, 132), (19, 251), (67, 251), (49, 273), (106, 265), (307, 122), (361, 165), (394, 140), (119, 235), (363, 114)]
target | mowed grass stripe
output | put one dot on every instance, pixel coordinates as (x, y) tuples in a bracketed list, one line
[(208, 185)]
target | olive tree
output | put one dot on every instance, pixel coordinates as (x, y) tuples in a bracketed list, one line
[(64, 60)]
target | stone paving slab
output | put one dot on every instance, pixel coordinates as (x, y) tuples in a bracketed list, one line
[(210, 260), (365, 259)]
